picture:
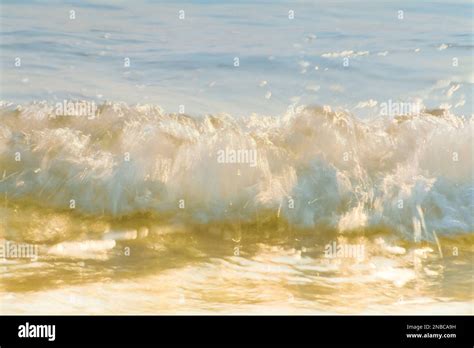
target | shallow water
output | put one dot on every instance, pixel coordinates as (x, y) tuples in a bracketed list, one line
[(238, 202), (239, 269)]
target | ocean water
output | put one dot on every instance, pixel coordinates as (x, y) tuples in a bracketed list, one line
[(236, 157), (191, 62)]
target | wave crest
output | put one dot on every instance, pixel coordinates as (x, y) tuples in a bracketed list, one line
[(313, 166)]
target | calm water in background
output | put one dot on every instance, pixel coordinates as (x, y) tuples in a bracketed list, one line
[(128, 249), (190, 62)]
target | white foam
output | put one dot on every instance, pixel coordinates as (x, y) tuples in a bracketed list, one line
[(355, 174)]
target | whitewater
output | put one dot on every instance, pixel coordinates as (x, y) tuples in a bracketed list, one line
[(315, 167), (236, 157)]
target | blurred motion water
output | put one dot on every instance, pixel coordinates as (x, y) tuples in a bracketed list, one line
[(347, 207)]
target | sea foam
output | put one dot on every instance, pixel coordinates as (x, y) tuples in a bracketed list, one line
[(313, 166)]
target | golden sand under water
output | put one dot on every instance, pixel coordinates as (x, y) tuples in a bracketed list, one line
[(139, 266)]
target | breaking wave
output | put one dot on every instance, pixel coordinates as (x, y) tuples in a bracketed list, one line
[(313, 166)]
